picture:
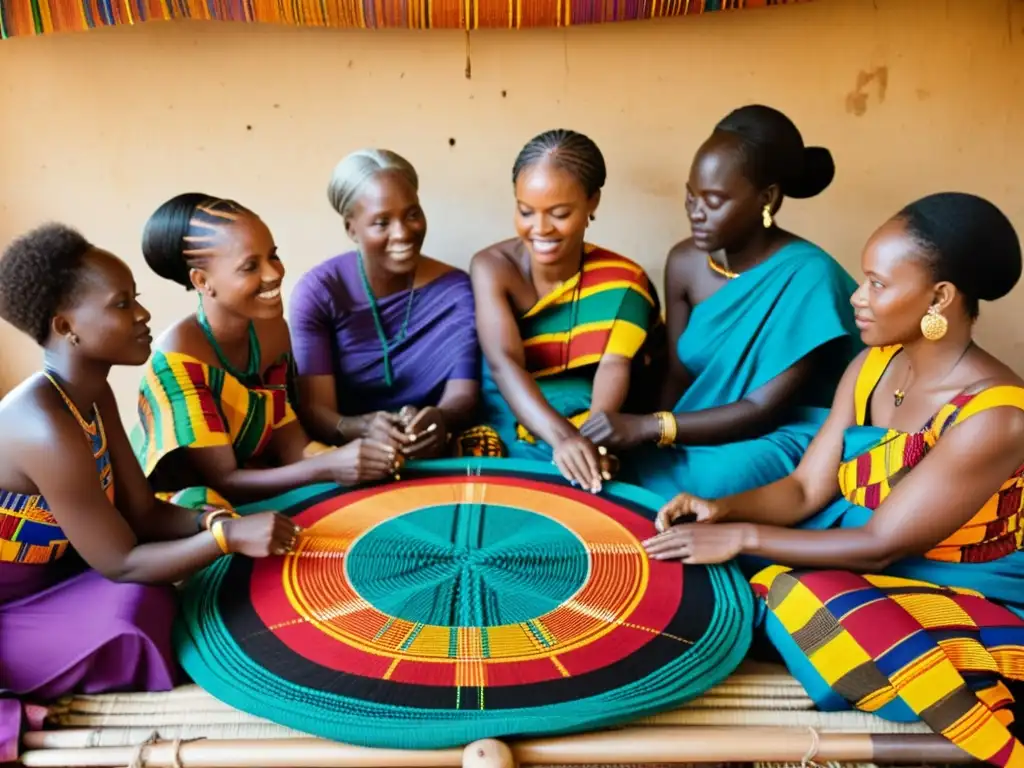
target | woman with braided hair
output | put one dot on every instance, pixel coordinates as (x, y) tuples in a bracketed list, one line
[(566, 327), (217, 424)]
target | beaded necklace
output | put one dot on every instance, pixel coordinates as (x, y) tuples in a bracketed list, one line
[(252, 371), (386, 345)]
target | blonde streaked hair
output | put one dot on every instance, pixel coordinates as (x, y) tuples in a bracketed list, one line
[(352, 173)]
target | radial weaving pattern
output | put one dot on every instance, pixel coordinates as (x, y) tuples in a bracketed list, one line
[(473, 598)]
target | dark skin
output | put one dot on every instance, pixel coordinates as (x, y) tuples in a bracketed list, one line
[(138, 538), (239, 275), (725, 209), (389, 226), (944, 491), (552, 214)]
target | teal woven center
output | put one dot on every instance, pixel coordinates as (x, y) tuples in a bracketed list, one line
[(467, 565)]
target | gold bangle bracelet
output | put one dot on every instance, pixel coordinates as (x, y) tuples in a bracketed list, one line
[(667, 428), (217, 529), (214, 515)]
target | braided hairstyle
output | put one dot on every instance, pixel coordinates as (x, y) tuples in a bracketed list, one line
[(568, 150), (182, 233), (968, 242), (40, 272), (774, 152)]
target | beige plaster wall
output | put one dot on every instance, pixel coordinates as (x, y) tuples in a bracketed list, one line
[(912, 96)]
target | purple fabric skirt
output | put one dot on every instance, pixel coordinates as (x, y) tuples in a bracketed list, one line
[(67, 630)]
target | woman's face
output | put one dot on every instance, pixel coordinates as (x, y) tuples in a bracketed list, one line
[(897, 290), (724, 206), (552, 213), (243, 272), (387, 223), (111, 326)]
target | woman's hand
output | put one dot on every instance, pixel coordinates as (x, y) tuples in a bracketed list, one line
[(688, 505), (362, 461), (426, 433), (383, 427), (579, 461), (620, 431), (700, 544), (260, 535)]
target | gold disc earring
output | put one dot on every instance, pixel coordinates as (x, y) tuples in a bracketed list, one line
[(766, 216), (934, 324)]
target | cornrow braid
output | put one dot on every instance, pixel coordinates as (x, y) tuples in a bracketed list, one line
[(182, 233), (568, 150)]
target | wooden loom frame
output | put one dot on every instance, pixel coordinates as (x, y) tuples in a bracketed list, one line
[(760, 714)]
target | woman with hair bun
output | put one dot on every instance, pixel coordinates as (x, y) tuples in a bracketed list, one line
[(899, 592), (384, 336), (759, 319), (216, 419), (567, 327)]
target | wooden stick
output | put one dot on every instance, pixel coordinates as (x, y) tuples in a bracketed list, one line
[(629, 745)]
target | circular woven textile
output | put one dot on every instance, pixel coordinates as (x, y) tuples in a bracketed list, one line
[(474, 598)]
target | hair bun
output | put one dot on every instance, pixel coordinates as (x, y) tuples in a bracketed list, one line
[(819, 169)]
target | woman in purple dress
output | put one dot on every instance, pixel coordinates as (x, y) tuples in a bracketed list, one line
[(75, 553), (384, 337)]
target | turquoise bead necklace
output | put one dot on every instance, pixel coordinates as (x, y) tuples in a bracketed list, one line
[(252, 371), (387, 346)]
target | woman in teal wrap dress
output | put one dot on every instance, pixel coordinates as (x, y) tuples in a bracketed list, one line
[(759, 318)]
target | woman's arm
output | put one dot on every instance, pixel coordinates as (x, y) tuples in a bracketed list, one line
[(150, 518), (503, 346), (677, 317), (101, 535), (933, 501)]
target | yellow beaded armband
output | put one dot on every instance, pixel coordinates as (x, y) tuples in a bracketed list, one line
[(667, 428), (217, 529)]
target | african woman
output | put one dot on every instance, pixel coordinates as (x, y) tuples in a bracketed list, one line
[(759, 319), (79, 544), (900, 590), (216, 404), (565, 326), (384, 337)]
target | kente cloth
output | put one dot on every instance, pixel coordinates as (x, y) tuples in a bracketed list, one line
[(29, 533), (937, 637), (185, 403), (609, 307), (28, 17), (65, 628), (333, 332), (474, 598), (754, 328)]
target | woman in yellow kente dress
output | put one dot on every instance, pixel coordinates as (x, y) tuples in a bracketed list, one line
[(216, 419), (566, 327), (901, 589)]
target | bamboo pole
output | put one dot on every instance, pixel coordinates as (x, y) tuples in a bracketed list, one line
[(630, 745)]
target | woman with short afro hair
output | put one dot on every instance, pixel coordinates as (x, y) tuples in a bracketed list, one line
[(81, 533)]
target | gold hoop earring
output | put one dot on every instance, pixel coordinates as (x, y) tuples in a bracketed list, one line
[(766, 216), (934, 324)]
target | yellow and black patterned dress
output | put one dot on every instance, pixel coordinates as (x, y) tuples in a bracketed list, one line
[(934, 638)]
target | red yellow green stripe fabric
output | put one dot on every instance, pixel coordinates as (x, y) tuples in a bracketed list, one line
[(39, 17)]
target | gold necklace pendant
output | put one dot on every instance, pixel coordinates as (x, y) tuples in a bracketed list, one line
[(716, 267), (897, 397)]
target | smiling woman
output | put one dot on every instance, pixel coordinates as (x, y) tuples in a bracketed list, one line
[(566, 327), (384, 336), (216, 418)]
